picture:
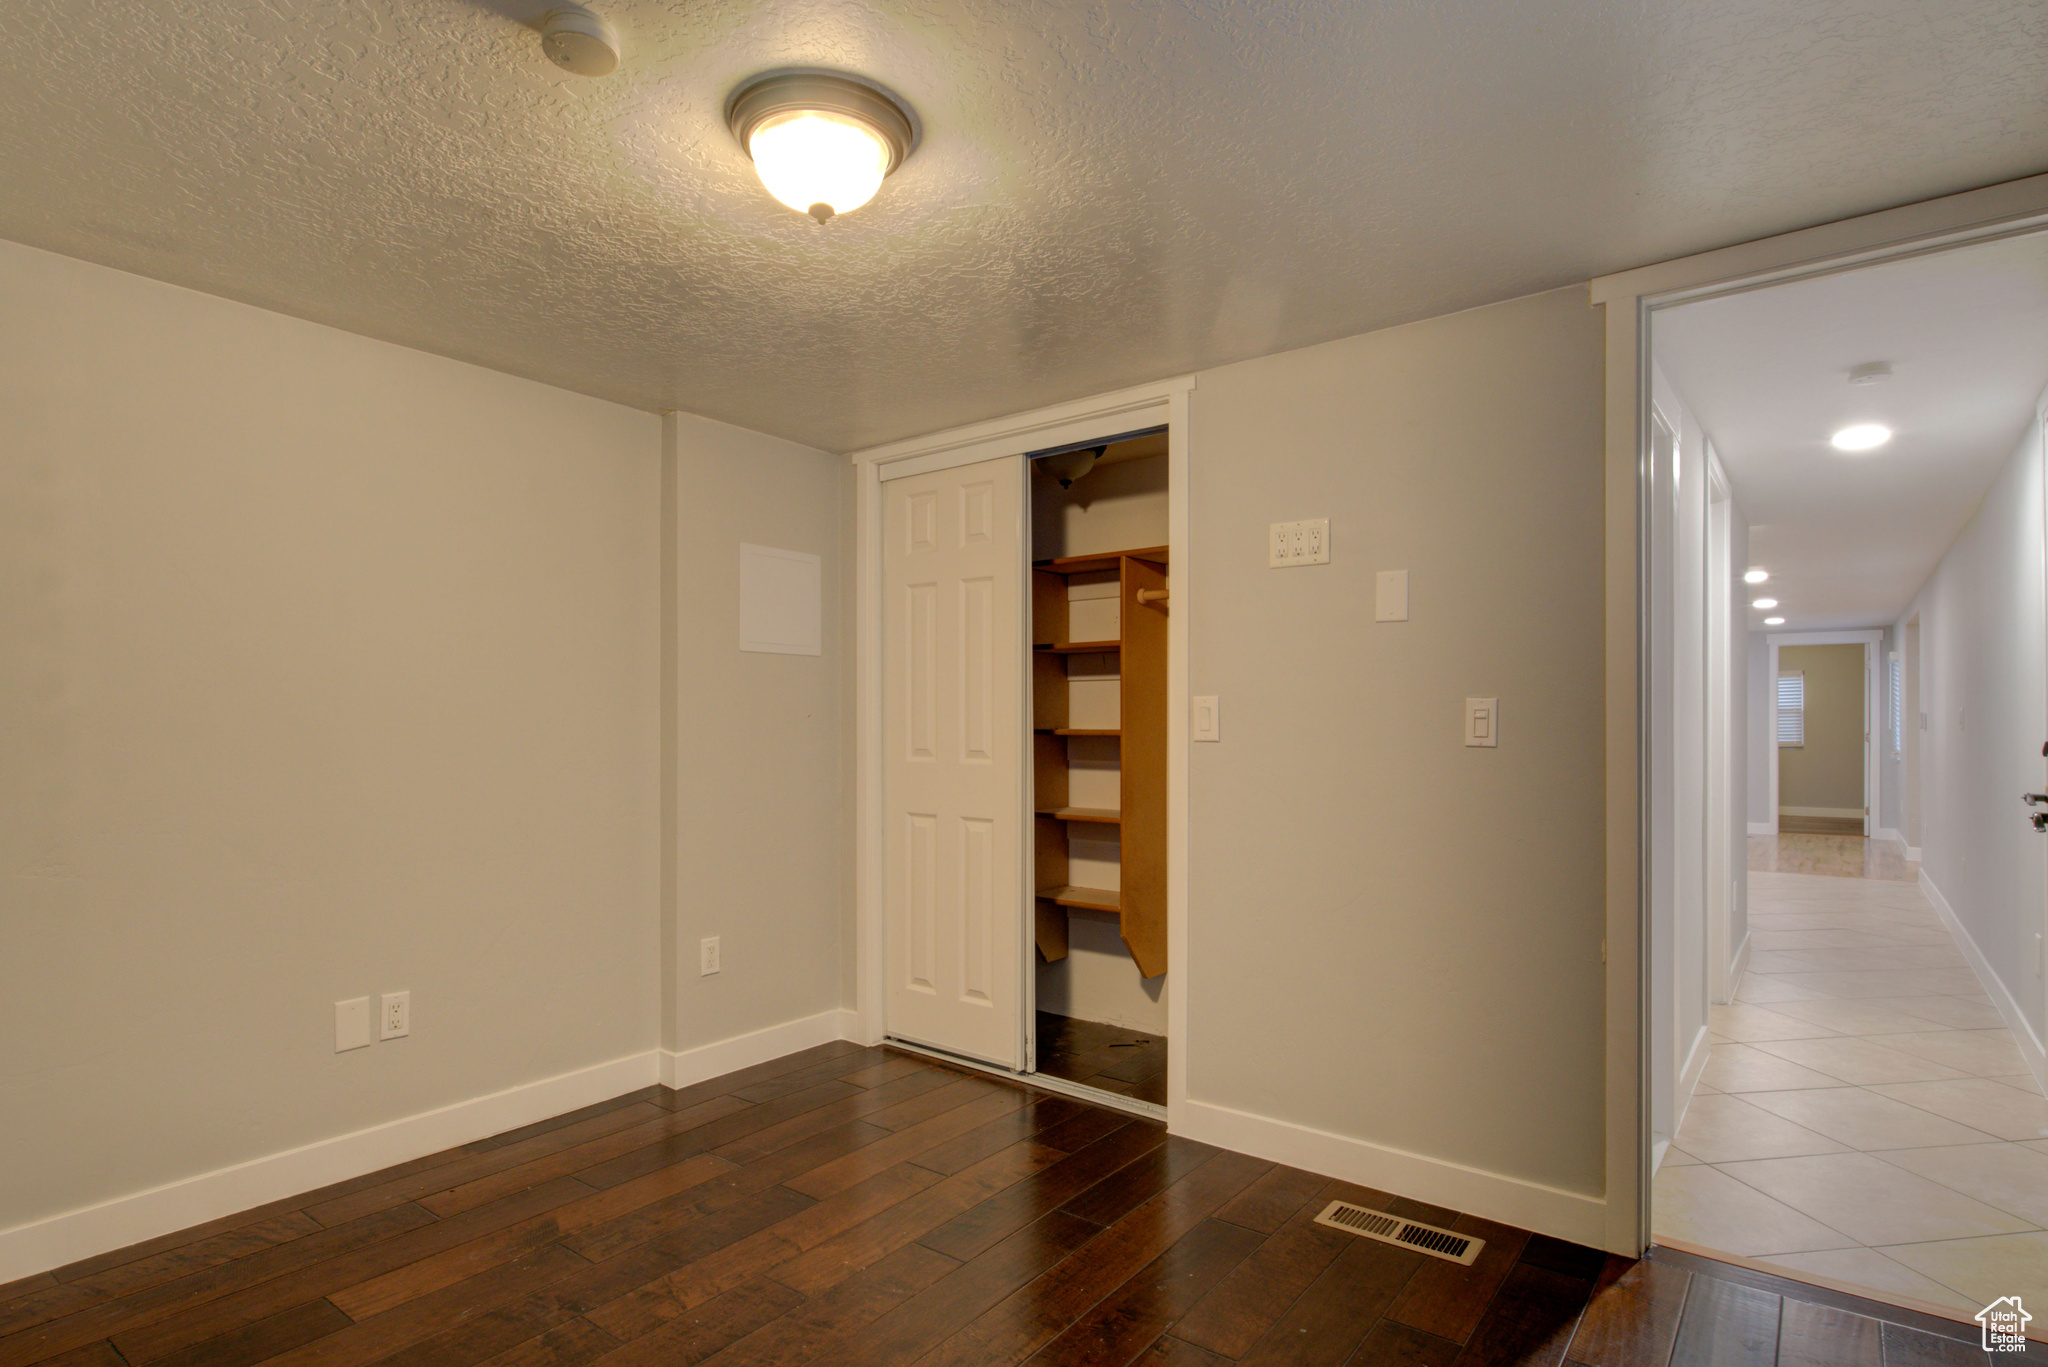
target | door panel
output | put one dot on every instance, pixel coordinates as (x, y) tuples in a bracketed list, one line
[(953, 684)]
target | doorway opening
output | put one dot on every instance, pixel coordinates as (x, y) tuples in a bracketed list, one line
[(1846, 641), (1100, 599)]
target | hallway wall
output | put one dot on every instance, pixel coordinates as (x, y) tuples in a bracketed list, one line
[(1984, 688), (1824, 777)]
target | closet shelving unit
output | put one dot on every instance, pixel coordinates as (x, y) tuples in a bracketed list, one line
[(1140, 816)]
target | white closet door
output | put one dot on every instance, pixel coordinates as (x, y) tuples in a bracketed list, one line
[(953, 683)]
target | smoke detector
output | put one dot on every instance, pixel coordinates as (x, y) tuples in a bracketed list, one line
[(579, 41), (1870, 372)]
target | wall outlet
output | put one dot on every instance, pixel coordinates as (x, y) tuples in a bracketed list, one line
[(351, 1024), (707, 956), (394, 1016), (1298, 543)]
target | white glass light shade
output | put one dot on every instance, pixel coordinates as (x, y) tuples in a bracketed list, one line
[(1774, 621), (809, 158), (1756, 576), (1765, 603), (1862, 436)]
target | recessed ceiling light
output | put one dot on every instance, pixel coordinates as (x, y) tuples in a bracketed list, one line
[(1774, 621), (1862, 436), (821, 142), (1756, 576), (1764, 603)]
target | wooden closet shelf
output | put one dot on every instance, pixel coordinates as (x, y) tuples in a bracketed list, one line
[(1106, 560), (1104, 816), (1090, 899), (1079, 731), (1082, 647)]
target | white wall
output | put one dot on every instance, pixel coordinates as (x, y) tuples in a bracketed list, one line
[(762, 799), (1763, 798), (327, 668), (1984, 688), (1393, 938)]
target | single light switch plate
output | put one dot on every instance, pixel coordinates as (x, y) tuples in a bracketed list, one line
[(1205, 721), (707, 956), (1298, 543), (351, 1024), (394, 1015), (1390, 596), (1482, 722)]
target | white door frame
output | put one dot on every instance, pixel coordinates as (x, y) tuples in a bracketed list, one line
[(1165, 403), (1872, 642), (1628, 299)]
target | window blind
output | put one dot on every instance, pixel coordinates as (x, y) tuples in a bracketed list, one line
[(1792, 709)]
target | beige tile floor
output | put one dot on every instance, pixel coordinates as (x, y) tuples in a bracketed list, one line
[(1864, 1114)]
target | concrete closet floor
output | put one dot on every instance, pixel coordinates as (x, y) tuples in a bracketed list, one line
[(1864, 1116)]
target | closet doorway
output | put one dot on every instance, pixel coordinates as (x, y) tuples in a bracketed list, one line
[(1021, 842), (1099, 605)]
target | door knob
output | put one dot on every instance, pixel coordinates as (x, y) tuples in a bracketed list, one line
[(2034, 799), (2040, 820)]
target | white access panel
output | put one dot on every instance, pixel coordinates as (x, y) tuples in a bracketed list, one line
[(780, 601), (953, 681)]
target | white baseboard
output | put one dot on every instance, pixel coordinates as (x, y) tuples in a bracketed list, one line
[(1912, 853), (59, 1239), (1763, 828), (1856, 812), (1887, 833), (2015, 1019), (687, 1066), (1689, 1076), (1509, 1200)]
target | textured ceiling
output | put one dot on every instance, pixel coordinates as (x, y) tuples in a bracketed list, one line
[(1107, 192), (1849, 539)]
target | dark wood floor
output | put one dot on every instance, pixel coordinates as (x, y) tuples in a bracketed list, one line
[(1109, 1057), (853, 1206)]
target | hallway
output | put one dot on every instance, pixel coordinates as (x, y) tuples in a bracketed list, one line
[(1865, 1116)]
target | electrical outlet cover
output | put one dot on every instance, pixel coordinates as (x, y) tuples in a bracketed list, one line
[(351, 1024), (394, 1016)]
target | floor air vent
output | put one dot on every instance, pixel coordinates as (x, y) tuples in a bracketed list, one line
[(1392, 1229)]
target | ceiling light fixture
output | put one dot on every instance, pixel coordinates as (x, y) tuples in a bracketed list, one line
[(1068, 466), (1862, 436), (1870, 372), (1756, 576), (1765, 603), (821, 142), (1774, 621)]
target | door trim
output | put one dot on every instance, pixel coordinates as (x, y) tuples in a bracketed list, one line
[(1164, 402), (1627, 299)]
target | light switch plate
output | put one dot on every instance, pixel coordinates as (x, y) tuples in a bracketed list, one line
[(1205, 722), (351, 1024), (1298, 543), (1390, 596), (394, 1015), (1482, 722)]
